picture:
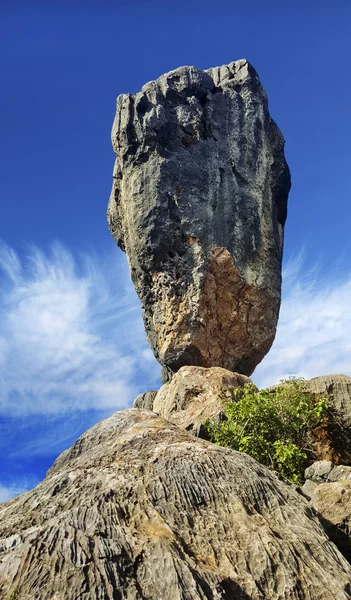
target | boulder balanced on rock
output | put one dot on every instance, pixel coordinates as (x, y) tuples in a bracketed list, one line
[(199, 203)]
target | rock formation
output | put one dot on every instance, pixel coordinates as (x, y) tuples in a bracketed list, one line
[(333, 440), (329, 490), (198, 203), (339, 388), (194, 395), (140, 509), (145, 400)]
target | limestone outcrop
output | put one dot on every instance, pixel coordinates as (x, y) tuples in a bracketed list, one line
[(329, 489), (333, 440), (194, 395), (339, 386), (332, 501), (140, 509), (328, 481), (145, 400), (198, 204)]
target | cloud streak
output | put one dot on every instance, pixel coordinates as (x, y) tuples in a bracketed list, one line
[(6, 493), (71, 334), (314, 329)]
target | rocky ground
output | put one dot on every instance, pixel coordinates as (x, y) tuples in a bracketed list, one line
[(139, 508)]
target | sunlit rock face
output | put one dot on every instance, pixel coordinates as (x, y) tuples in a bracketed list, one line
[(198, 203), (140, 509), (194, 396)]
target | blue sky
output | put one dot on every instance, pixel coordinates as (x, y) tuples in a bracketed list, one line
[(72, 346)]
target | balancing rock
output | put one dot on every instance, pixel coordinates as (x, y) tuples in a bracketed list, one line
[(198, 203)]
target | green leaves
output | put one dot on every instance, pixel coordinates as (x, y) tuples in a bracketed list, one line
[(273, 426)]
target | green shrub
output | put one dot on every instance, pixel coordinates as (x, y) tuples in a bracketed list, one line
[(273, 426)]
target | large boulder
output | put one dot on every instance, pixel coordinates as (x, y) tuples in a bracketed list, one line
[(198, 203), (329, 489), (139, 508), (195, 395), (333, 503)]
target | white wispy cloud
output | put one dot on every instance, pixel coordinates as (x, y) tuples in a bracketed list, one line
[(14, 487), (71, 334), (314, 329), (6, 493)]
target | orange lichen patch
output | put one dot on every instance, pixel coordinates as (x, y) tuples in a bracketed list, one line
[(170, 312), (239, 319), (322, 444), (193, 240), (223, 321), (155, 528)]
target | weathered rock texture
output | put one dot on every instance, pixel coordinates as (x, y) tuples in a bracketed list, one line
[(339, 386), (333, 437), (323, 471), (199, 204), (145, 400), (194, 395), (329, 489), (140, 509)]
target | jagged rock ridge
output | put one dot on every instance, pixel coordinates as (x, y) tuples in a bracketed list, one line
[(199, 203), (138, 509)]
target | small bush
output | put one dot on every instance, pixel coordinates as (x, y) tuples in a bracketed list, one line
[(273, 426)]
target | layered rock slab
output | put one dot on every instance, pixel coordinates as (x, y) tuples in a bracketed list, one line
[(199, 204), (339, 388), (329, 490), (139, 509), (333, 440)]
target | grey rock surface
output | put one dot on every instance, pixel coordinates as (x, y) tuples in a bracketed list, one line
[(145, 400), (340, 473), (332, 501), (309, 487), (198, 203), (140, 509), (323, 471), (329, 489), (339, 386), (319, 470), (334, 442)]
